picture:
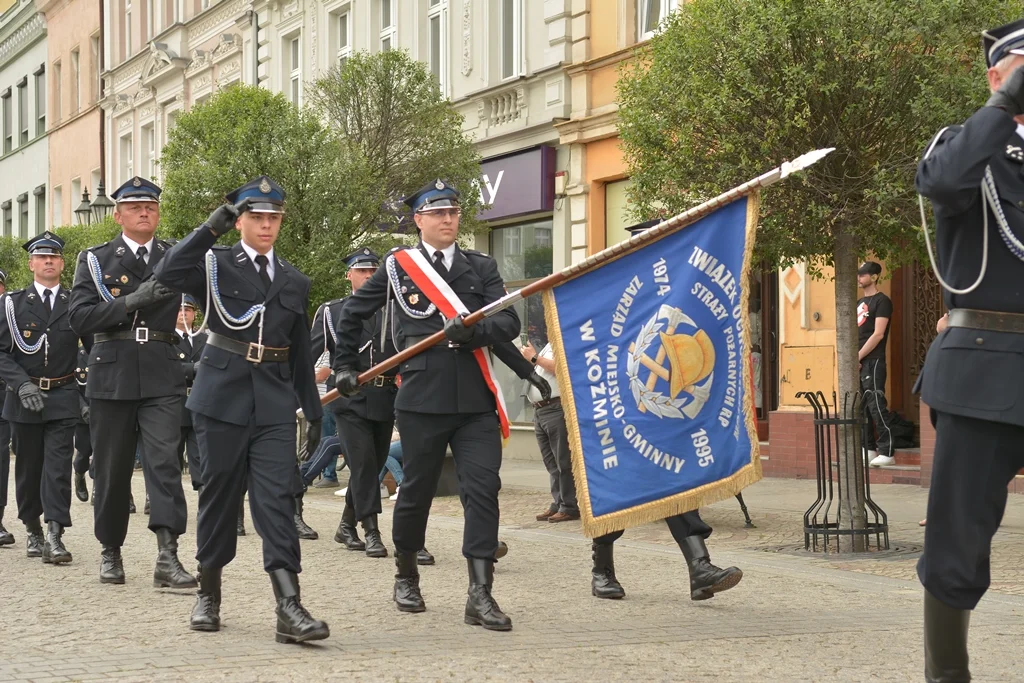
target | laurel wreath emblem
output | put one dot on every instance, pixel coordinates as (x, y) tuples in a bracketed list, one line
[(656, 402)]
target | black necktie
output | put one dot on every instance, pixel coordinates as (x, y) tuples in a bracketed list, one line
[(262, 262), (439, 264), (140, 255), (187, 341), (46, 301)]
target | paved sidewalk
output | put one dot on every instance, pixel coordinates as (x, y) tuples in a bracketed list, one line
[(793, 618)]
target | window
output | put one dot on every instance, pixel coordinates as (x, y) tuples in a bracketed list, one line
[(150, 21), (40, 195), (95, 178), (294, 70), (58, 99), (388, 28), (524, 254), (8, 122), (127, 159), (57, 215), (23, 109), (40, 86), (97, 80), (127, 28), (8, 218), (616, 212), (343, 34), (511, 37), (23, 215), (169, 123), (148, 151), (76, 81), (179, 10), (437, 22), (650, 15), (76, 196)]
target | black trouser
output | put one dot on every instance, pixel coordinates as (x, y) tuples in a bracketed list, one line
[(553, 439), (365, 444), (872, 385), (5, 459), (188, 445), (42, 470), (117, 428), (974, 462), (682, 526), (83, 450), (475, 440), (262, 460)]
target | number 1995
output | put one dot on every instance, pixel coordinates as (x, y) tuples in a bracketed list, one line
[(701, 448)]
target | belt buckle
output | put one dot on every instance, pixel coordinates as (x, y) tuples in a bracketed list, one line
[(44, 383), (142, 334), (378, 381), (255, 353)]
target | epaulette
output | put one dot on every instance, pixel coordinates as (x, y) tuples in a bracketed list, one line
[(335, 301), (221, 247), (97, 246), (16, 291), (400, 247), (474, 252)]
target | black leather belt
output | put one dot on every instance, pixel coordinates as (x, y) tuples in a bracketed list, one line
[(254, 353), (993, 321), (47, 383), (138, 334), (547, 402)]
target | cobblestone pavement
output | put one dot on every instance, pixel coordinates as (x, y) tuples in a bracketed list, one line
[(794, 617)]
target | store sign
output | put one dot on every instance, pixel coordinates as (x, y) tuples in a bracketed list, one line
[(518, 184)]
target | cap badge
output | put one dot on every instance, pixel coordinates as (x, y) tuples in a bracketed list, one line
[(264, 186), (137, 183), (439, 185)]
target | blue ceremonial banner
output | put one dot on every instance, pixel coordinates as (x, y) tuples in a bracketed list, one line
[(653, 360)]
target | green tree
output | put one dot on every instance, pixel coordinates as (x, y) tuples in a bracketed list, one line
[(14, 259), (729, 88)]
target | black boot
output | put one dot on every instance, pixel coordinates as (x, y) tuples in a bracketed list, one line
[(131, 504), (81, 490), (34, 546), (145, 508), (6, 537), (945, 642), (206, 613), (240, 528), (168, 572), (294, 623), (54, 551), (111, 566), (481, 609), (347, 534), (705, 578), (407, 584), (423, 557), (305, 531), (374, 545), (603, 583)]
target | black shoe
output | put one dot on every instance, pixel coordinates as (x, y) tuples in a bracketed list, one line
[(34, 544), (111, 566), (347, 534), (305, 531), (502, 550), (603, 583), (6, 537), (81, 490), (481, 609), (374, 545), (240, 528), (206, 613), (945, 642), (54, 551), (705, 578), (407, 584), (294, 623), (424, 558), (131, 504), (168, 572), (145, 508)]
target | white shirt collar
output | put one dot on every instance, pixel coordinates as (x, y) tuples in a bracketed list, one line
[(134, 246), (449, 254), (53, 292), (252, 253)]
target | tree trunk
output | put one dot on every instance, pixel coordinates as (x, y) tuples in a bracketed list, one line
[(848, 449)]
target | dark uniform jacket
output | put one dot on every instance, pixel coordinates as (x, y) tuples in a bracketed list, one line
[(189, 353), (227, 385), (441, 379), (966, 370), (125, 370), (16, 367), (376, 399)]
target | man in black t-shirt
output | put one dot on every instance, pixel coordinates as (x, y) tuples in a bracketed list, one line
[(874, 310)]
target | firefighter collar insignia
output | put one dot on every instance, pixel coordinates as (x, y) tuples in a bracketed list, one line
[(119, 251), (31, 296), (1015, 153), (160, 246), (63, 296)]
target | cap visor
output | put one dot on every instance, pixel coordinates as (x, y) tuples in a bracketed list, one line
[(264, 207)]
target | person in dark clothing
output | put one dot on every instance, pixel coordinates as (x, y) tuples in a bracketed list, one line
[(874, 311)]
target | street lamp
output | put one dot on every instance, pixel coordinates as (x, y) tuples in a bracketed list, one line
[(101, 205), (84, 211)]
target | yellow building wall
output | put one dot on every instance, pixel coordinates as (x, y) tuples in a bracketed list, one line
[(604, 27)]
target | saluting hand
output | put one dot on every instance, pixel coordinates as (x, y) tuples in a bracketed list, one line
[(222, 220), (1010, 95)]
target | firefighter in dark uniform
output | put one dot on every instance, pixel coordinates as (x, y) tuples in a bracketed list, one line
[(444, 399), (82, 463), (256, 371), (135, 383), (6, 537), (37, 360), (190, 350), (974, 176)]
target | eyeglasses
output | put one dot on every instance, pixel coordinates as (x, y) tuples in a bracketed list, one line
[(444, 213)]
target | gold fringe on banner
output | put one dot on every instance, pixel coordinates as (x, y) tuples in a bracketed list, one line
[(681, 502)]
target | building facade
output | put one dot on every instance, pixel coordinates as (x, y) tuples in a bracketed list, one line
[(73, 114), (24, 190)]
